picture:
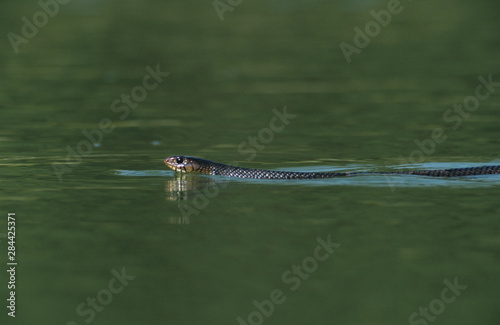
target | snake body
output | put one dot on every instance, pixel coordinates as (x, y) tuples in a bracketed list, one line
[(185, 164)]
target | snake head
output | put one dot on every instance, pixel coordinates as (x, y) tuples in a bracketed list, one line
[(182, 164)]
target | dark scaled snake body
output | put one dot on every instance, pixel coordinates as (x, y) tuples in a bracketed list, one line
[(185, 164)]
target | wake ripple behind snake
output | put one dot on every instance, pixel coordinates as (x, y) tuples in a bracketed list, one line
[(186, 164)]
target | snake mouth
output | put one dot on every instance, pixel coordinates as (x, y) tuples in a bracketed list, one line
[(172, 164), (181, 164)]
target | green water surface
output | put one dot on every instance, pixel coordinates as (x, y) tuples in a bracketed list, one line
[(106, 234)]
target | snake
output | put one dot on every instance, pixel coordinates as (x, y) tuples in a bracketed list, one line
[(186, 164)]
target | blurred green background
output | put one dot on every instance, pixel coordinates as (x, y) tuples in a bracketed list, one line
[(117, 206)]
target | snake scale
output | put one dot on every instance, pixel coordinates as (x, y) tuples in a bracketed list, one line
[(185, 164)]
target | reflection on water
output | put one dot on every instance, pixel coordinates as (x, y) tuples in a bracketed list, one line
[(142, 173), (196, 190), (182, 186)]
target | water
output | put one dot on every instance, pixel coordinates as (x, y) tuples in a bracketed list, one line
[(110, 222)]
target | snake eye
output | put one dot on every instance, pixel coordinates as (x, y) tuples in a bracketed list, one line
[(179, 160)]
